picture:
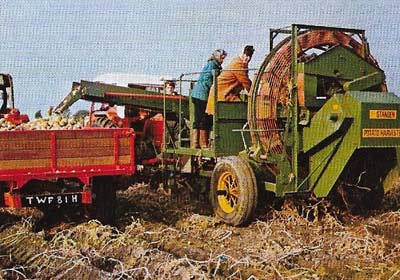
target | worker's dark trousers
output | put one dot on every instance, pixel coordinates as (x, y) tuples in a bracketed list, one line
[(202, 120)]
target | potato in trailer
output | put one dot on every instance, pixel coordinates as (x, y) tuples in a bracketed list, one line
[(52, 168)]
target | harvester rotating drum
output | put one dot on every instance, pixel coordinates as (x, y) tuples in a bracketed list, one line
[(270, 95)]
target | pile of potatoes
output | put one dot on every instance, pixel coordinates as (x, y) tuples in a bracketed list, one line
[(48, 123)]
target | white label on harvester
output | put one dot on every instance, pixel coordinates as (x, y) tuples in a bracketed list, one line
[(381, 133)]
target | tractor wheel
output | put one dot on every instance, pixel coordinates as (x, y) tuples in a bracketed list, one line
[(103, 121), (234, 193), (104, 200)]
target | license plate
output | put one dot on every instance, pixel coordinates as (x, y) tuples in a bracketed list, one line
[(46, 200)]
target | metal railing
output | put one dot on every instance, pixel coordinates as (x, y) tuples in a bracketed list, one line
[(185, 78)]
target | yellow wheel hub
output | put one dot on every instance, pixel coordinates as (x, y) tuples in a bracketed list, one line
[(228, 192)]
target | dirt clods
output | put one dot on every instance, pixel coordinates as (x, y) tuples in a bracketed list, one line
[(163, 236)]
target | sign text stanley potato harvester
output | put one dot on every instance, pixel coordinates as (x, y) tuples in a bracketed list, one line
[(318, 121)]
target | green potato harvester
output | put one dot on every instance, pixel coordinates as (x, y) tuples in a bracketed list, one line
[(318, 121)]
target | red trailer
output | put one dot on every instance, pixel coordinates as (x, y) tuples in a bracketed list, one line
[(47, 168)]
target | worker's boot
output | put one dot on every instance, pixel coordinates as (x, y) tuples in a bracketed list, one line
[(195, 140), (204, 135)]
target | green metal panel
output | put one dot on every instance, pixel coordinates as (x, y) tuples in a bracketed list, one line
[(380, 123), (293, 123), (330, 140), (341, 63), (327, 165), (98, 92), (327, 121), (336, 131), (230, 117), (190, 151), (232, 110), (311, 92), (337, 65), (365, 82)]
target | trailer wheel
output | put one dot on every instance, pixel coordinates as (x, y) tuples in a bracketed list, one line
[(233, 192), (104, 200)]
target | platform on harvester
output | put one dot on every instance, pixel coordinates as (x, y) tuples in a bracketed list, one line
[(229, 135)]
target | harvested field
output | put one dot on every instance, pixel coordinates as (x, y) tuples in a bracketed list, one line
[(162, 237)]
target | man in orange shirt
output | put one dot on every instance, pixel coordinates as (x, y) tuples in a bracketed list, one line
[(232, 80)]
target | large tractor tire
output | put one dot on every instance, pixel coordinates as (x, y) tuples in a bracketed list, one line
[(104, 200), (234, 193)]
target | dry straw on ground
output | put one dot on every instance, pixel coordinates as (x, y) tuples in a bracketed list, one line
[(160, 238)]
